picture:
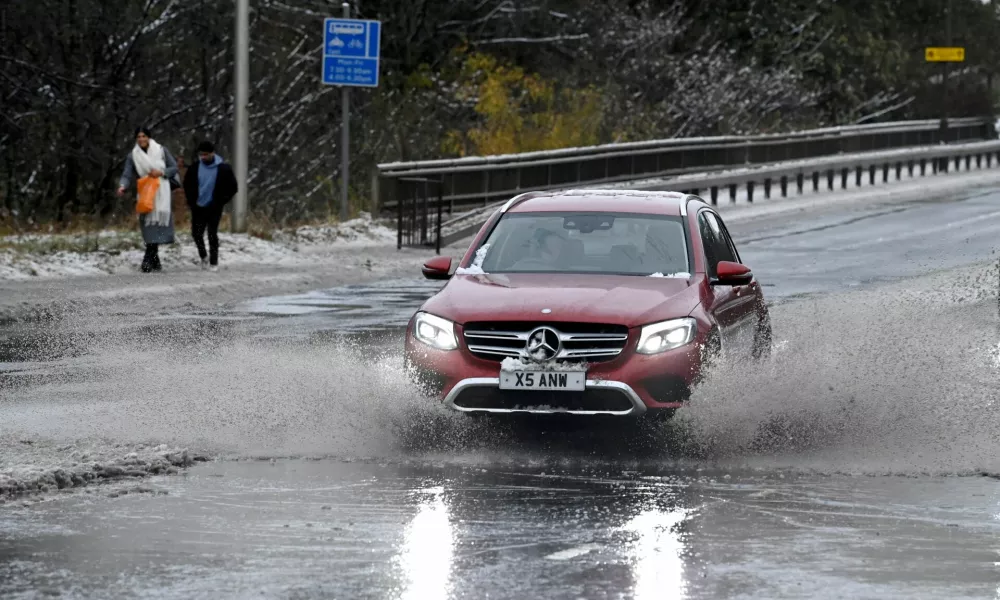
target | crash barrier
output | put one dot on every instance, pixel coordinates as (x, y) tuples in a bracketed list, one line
[(780, 178), (418, 192)]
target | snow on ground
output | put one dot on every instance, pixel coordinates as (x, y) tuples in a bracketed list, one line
[(38, 256), (110, 252), (361, 232), (30, 467)]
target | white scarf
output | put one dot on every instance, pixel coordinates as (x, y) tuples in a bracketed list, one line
[(145, 162)]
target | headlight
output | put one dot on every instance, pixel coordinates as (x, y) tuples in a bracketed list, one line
[(666, 335), (435, 332)]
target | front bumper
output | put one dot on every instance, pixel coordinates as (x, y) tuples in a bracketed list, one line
[(630, 385), (494, 400)]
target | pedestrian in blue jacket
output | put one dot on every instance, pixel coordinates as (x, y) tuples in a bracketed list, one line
[(209, 185)]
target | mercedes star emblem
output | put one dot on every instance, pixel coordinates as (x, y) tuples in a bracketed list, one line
[(543, 344)]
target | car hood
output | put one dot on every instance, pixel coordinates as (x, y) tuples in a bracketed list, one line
[(619, 299)]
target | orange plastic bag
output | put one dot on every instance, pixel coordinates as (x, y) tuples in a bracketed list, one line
[(148, 186)]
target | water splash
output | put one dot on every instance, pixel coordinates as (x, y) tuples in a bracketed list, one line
[(865, 382)]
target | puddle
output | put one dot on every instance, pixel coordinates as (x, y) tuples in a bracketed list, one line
[(348, 309), (369, 317)]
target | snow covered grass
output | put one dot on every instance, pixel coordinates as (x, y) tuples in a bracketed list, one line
[(112, 252), (31, 467), (363, 231)]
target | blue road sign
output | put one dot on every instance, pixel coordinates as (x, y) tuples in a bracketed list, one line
[(351, 52)]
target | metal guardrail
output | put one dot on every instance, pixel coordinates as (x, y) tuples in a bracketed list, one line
[(831, 170), (937, 159), (472, 181)]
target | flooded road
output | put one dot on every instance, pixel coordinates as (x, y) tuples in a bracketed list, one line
[(331, 478), (333, 529)]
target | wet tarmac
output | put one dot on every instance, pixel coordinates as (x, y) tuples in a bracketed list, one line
[(363, 491), (334, 529)]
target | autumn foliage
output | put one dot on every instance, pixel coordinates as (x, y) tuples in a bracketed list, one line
[(518, 111)]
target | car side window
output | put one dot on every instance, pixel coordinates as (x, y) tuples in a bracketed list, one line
[(729, 239), (708, 242), (715, 240)]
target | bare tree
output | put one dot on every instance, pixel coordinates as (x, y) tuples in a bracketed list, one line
[(76, 76)]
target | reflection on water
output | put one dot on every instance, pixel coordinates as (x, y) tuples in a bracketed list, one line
[(381, 304), (656, 554), (428, 548)]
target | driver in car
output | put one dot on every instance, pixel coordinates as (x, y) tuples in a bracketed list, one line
[(550, 246)]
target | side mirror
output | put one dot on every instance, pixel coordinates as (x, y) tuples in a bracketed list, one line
[(730, 273), (438, 267)]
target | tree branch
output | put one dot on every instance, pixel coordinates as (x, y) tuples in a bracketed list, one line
[(885, 111), (544, 40)]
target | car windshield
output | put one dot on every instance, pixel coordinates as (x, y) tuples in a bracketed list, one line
[(550, 242)]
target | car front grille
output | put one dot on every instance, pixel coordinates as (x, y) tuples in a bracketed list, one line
[(581, 342)]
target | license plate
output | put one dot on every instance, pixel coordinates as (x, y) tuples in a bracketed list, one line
[(569, 381)]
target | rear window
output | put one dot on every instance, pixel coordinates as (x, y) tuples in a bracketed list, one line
[(549, 242)]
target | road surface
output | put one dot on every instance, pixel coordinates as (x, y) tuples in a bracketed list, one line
[(862, 462)]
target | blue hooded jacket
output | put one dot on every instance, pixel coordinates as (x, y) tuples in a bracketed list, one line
[(207, 174)]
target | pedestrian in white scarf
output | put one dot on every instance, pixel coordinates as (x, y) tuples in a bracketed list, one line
[(148, 158), (149, 162)]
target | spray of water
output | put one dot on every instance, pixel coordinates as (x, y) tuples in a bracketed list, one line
[(895, 380), (244, 397)]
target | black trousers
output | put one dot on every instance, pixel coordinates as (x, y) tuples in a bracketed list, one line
[(203, 218), (151, 260)]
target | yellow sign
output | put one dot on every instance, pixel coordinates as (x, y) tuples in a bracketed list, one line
[(944, 54)]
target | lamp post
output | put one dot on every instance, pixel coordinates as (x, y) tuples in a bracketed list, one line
[(240, 129)]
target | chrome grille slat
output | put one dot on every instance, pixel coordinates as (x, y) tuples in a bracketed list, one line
[(591, 342), (497, 335), (594, 337), (588, 353), (495, 350)]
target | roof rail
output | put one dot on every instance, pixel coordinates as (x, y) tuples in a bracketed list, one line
[(681, 197), (517, 200)]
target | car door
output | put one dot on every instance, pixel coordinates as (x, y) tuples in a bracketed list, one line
[(733, 306), (749, 299)]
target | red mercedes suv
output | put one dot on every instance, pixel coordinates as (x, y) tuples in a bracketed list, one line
[(588, 302)]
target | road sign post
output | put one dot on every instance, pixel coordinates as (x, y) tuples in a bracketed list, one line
[(350, 59), (945, 55)]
